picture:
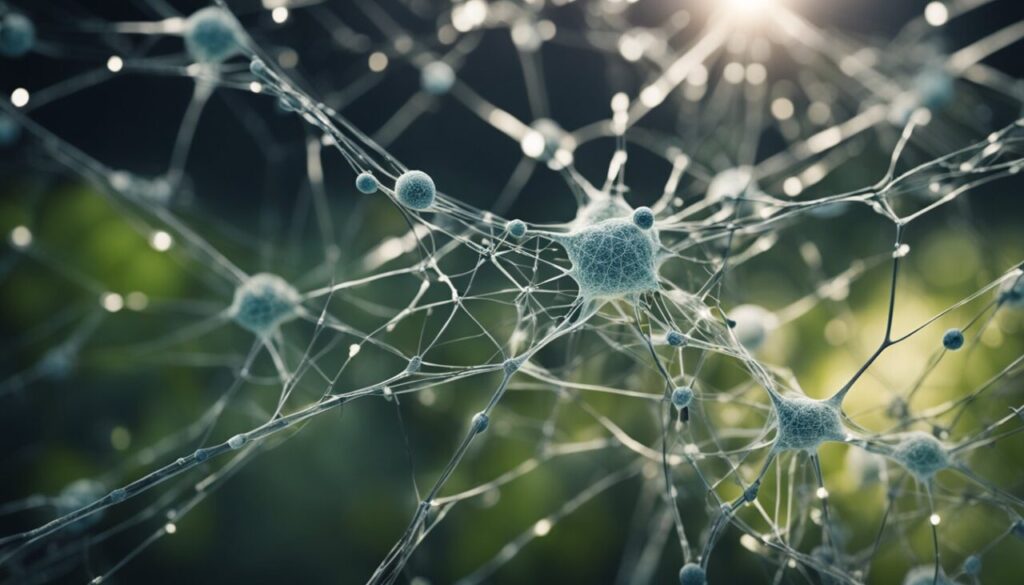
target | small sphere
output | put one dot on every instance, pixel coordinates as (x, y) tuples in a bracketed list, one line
[(415, 190), (921, 454), (17, 35), (512, 365), (675, 338), (10, 130), (366, 183), (480, 422), (953, 339), (79, 494), (264, 302), (212, 35), (415, 363), (972, 565), (1011, 293), (643, 217), (752, 325), (692, 574), (237, 441), (682, 397), (925, 575), (516, 228), (118, 495), (437, 78)]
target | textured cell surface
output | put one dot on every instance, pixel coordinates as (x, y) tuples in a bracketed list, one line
[(953, 339), (612, 258), (692, 574), (516, 228), (264, 302), (805, 424), (415, 190), (212, 35), (682, 396), (366, 183), (921, 454)]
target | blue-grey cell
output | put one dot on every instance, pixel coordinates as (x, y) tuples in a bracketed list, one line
[(675, 338), (613, 258), (921, 454), (79, 494), (414, 365), (480, 422), (953, 339), (366, 183), (10, 130), (804, 423), (264, 302), (415, 190), (682, 397), (643, 217), (692, 574), (437, 78), (1011, 293), (212, 35), (17, 35), (516, 228), (512, 365), (925, 575), (972, 565)]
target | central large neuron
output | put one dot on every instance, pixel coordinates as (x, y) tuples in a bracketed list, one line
[(805, 423), (613, 258)]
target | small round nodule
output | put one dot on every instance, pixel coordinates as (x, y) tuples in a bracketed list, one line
[(675, 338), (682, 397), (643, 217), (953, 339), (692, 574), (415, 190), (264, 302), (10, 130), (1011, 293), (212, 35), (516, 228), (480, 422), (17, 35), (366, 183), (437, 78), (972, 565)]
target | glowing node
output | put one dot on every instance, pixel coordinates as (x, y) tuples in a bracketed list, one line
[(237, 442), (752, 324), (212, 35), (437, 78), (77, 495), (415, 190), (953, 339), (804, 423), (936, 13), (516, 228), (17, 35), (366, 183), (264, 302), (547, 142), (19, 97), (682, 397)]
